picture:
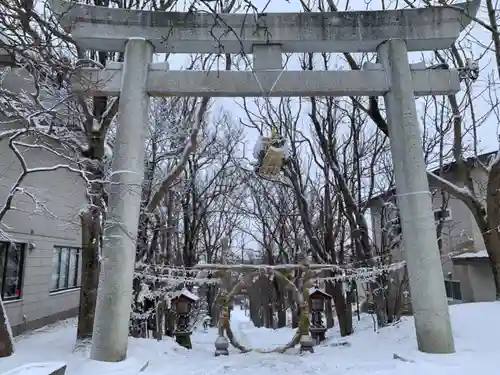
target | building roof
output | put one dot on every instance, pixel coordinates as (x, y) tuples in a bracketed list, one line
[(447, 168)]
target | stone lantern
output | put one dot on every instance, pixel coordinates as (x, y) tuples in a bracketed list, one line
[(182, 304), (317, 299)]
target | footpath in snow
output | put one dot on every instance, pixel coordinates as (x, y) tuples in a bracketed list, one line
[(475, 327)]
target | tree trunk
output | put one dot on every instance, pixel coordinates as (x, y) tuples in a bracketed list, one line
[(169, 323), (170, 227), (330, 322), (377, 291), (492, 243), (348, 309), (269, 311), (267, 306), (491, 236), (211, 305), (94, 164), (295, 317), (280, 303), (91, 232), (255, 316), (282, 312), (6, 339), (345, 321)]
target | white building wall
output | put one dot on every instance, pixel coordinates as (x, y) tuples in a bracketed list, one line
[(52, 220)]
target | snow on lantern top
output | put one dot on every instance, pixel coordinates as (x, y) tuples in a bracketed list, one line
[(317, 292), (186, 294), (317, 298), (183, 301)]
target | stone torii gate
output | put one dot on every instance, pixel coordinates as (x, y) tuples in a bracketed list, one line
[(389, 33)]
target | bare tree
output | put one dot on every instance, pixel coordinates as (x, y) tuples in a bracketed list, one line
[(34, 39)]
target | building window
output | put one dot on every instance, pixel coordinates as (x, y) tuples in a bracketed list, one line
[(65, 268), (442, 215), (11, 270), (453, 290)]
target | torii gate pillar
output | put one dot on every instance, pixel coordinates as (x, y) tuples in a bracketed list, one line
[(125, 191), (421, 251)]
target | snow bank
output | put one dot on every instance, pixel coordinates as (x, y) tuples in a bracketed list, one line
[(44, 368)]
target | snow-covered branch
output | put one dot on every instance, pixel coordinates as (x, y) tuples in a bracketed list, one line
[(25, 171), (179, 167)]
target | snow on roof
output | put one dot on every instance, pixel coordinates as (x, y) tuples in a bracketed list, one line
[(186, 293), (469, 255)]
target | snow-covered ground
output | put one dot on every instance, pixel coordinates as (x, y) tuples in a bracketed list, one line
[(392, 350)]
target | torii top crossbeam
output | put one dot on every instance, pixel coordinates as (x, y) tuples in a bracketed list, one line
[(108, 29)]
